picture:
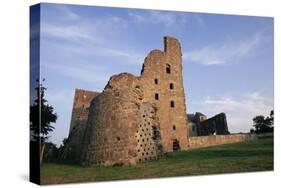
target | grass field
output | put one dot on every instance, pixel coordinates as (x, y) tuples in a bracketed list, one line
[(256, 155)]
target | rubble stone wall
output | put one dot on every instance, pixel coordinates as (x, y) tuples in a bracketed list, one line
[(145, 135), (113, 122), (207, 141), (81, 104), (214, 125), (80, 111)]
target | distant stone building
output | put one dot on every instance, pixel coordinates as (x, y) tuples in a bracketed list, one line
[(215, 125), (200, 125), (194, 122)]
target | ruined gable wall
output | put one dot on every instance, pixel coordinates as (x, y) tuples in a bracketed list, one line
[(216, 124), (81, 104), (80, 110), (173, 121)]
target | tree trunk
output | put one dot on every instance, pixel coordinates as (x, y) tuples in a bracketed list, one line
[(42, 153)]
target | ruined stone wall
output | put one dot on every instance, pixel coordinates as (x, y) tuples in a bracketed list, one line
[(135, 118), (192, 129), (214, 125), (162, 81), (146, 134), (207, 141), (115, 124), (80, 110), (81, 104)]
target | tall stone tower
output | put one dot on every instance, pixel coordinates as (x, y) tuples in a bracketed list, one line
[(80, 110), (163, 86)]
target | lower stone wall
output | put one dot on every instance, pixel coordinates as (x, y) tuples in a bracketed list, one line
[(206, 141), (265, 135)]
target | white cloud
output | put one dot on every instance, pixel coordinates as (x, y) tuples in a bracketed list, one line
[(167, 19), (83, 72), (155, 17), (81, 37), (69, 32), (239, 111), (67, 13), (225, 52)]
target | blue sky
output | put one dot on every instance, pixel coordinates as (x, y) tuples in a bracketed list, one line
[(227, 60)]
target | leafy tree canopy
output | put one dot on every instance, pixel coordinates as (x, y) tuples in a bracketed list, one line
[(263, 124), (41, 115)]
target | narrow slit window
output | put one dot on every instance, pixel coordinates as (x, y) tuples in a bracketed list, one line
[(156, 96), (172, 104), (174, 127), (156, 81), (168, 69), (171, 86)]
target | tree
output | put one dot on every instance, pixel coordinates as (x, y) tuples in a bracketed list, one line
[(271, 116), (252, 130), (262, 124), (41, 117)]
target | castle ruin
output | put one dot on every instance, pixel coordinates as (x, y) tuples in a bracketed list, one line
[(135, 118)]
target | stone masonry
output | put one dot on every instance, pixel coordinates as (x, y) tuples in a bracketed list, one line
[(214, 125), (135, 118), (162, 81), (128, 119), (200, 125), (80, 111)]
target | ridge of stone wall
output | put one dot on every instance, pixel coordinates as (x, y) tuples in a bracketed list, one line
[(214, 140)]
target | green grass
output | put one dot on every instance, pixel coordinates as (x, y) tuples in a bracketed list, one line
[(250, 156)]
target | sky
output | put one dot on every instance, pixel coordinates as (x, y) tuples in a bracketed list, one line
[(227, 59)]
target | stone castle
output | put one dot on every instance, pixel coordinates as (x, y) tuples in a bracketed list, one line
[(135, 118)]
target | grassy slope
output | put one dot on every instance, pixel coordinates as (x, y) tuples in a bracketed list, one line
[(241, 157)]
